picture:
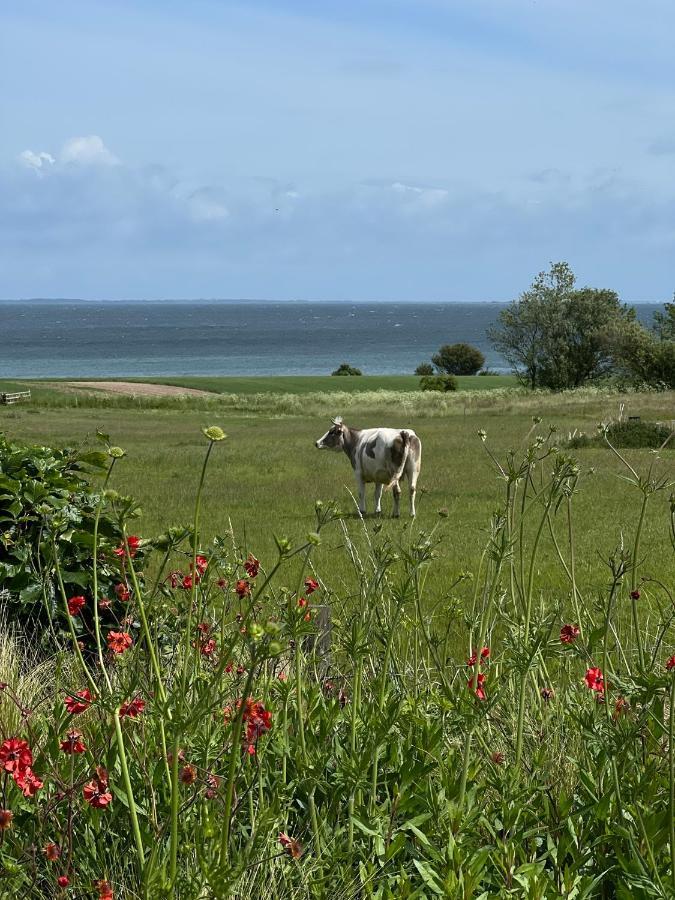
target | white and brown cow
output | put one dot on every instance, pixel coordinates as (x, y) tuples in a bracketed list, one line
[(380, 455)]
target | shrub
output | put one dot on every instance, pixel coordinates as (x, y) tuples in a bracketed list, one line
[(424, 369), (346, 369), (458, 359), (438, 383), (625, 435)]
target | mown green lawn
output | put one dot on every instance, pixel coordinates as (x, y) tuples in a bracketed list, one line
[(265, 479)]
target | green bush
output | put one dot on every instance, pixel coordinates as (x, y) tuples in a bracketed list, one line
[(438, 383), (458, 359), (424, 369), (625, 434), (346, 369)]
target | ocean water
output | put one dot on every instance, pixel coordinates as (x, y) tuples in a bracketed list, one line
[(71, 339)]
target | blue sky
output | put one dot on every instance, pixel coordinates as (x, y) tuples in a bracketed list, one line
[(328, 149)]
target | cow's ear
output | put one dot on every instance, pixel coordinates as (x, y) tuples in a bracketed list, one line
[(337, 420)]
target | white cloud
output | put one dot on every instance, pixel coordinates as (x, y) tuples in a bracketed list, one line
[(426, 197), (36, 161), (87, 151)]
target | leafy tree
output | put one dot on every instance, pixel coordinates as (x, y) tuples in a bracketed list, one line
[(664, 322), (557, 336), (424, 369), (458, 359), (346, 369), (644, 358)]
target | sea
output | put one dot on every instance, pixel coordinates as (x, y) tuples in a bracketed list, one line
[(113, 338)]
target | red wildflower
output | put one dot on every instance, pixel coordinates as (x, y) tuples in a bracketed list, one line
[(497, 758), (104, 603), (119, 641), (302, 602), (484, 654), (15, 755), (186, 583), (212, 785), (123, 592), (307, 617), (595, 680), (635, 595), (206, 648), (52, 852), (227, 715), (479, 691), (6, 816), (187, 775), (547, 694), (96, 792), (569, 633), (203, 628), (242, 588), (133, 543), (105, 891), (202, 562), (223, 583), (63, 881), (311, 585), (133, 708), (73, 743), (670, 664), (258, 720), (79, 703), (290, 845), (174, 578), (75, 605), (252, 566), (621, 708), (28, 782)]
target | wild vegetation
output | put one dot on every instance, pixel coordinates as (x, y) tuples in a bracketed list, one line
[(326, 717)]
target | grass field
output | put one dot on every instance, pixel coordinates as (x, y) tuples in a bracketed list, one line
[(267, 476)]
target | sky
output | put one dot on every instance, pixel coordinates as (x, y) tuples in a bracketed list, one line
[(335, 149)]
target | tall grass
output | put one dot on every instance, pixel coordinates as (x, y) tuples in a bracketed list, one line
[(393, 741)]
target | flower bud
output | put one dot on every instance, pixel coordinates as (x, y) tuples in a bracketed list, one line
[(214, 433)]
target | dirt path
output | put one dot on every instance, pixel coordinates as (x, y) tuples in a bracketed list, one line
[(138, 388)]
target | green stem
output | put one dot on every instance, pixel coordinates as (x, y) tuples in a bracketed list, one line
[(671, 760), (235, 752), (129, 792), (634, 581)]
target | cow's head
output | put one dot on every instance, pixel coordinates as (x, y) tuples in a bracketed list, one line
[(334, 438)]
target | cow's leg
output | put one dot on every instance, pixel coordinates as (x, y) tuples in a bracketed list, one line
[(378, 498), (412, 478), (396, 491), (361, 485)]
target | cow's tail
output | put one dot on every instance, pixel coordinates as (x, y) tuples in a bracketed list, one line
[(396, 477)]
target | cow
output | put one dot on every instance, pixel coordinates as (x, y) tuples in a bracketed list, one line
[(380, 455)]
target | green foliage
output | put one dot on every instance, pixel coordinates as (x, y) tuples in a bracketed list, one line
[(47, 512), (346, 369), (558, 337), (458, 359), (664, 322), (629, 434), (424, 369), (438, 383), (645, 359)]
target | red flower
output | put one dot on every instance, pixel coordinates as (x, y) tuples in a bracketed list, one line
[(595, 680), (133, 543), (569, 633), (28, 782), (186, 583), (484, 654), (63, 881), (222, 583), (123, 592), (52, 852), (96, 791), (6, 816), (497, 758), (311, 585), (15, 755), (119, 641), (635, 595), (479, 691), (547, 694), (73, 743), (621, 708), (290, 845), (104, 603), (206, 648), (133, 708), (105, 891), (202, 563), (302, 602), (174, 578), (258, 720), (75, 605), (187, 775), (670, 664), (242, 588), (252, 566), (212, 784), (79, 703)]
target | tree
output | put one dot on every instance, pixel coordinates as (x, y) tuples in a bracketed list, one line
[(556, 336), (664, 322), (644, 358), (458, 359), (424, 369), (346, 369)]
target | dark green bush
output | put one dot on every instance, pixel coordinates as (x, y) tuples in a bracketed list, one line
[(424, 369), (346, 369), (625, 434), (438, 383), (458, 359), (48, 504)]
